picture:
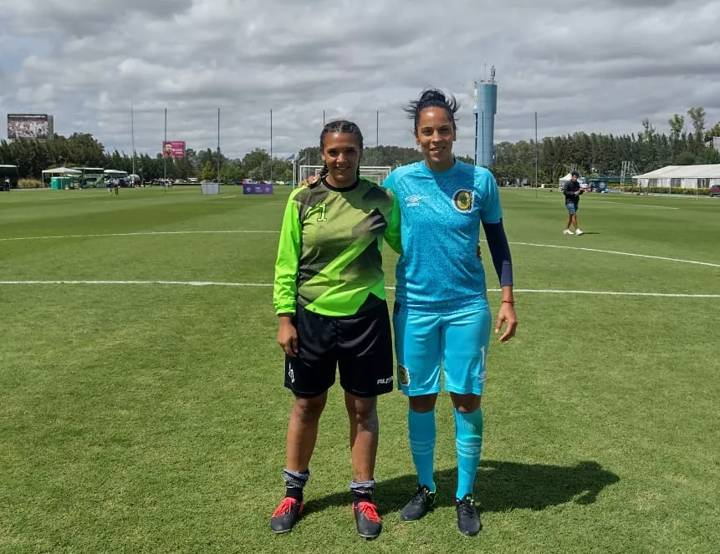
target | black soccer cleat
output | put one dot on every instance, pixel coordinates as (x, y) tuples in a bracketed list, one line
[(286, 515), (419, 505), (367, 519), (467, 517)]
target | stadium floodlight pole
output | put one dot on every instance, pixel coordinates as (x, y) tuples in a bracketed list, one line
[(377, 128), (132, 135), (271, 149), (163, 148), (218, 146), (536, 157)]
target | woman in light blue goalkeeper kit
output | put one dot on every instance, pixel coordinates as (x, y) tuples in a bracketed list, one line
[(442, 319)]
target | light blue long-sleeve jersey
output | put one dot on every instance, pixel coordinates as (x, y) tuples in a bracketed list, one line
[(440, 269)]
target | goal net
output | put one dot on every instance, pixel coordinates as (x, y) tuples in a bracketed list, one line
[(375, 173)]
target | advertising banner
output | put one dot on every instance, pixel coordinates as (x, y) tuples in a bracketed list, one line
[(29, 126), (257, 188), (174, 149)]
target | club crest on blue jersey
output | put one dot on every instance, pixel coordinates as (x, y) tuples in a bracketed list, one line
[(463, 200)]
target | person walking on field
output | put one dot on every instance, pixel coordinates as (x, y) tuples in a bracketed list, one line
[(329, 295), (572, 192)]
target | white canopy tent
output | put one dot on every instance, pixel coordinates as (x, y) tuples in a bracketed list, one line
[(61, 171), (681, 176)]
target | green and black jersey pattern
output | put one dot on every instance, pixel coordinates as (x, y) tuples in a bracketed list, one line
[(329, 252)]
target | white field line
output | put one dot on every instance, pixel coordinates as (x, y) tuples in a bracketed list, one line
[(269, 285), (656, 206), (140, 234), (142, 282), (249, 231), (617, 253)]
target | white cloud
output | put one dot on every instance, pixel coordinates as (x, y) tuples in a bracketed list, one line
[(597, 66)]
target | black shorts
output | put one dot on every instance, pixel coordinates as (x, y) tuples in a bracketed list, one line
[(360, 346)]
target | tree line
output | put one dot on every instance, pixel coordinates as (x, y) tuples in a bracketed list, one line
[(514, 162), (83, 150), (599, 154)]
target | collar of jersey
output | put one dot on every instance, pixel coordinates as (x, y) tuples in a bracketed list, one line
[(439, 173), (341, 189)]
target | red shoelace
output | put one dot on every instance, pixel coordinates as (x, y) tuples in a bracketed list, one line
[(368, 510), (285, 506)]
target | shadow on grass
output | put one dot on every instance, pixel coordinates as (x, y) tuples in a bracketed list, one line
[(500, 487)]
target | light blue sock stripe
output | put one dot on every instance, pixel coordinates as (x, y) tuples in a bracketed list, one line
[(468, 445), (421, 432)]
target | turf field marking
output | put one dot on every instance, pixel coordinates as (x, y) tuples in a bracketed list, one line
[(656, 206), (269, 285), (616, 252), (140, 234), (251, 231), (614, 293), (143, 282)]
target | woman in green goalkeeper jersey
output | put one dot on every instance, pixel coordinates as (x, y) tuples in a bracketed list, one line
[(329, 296)]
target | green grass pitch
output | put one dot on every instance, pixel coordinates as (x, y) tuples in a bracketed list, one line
[(148, 415)]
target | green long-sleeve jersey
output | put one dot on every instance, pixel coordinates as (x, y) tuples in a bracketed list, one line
[(328, 257)]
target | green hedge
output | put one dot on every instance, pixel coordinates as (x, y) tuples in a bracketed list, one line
[(30, 184)]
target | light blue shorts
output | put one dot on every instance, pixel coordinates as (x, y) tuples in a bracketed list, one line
[(571, 208), (457, 342)]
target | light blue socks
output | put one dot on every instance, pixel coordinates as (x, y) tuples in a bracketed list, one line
[(421, 431), (468, 443)]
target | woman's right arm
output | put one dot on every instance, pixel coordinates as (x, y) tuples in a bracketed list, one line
[(286, 270)]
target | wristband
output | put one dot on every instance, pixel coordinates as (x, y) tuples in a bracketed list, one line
[(511, 302)]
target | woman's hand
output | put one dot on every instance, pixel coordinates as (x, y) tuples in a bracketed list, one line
[(287, 335), (506, 316)]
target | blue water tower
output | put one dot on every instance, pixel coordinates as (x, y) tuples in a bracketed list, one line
[(485, 110)]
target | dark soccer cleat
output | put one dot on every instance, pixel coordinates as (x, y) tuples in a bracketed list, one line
[(286, 515), (420, 504), (367, 520), (467, 516)]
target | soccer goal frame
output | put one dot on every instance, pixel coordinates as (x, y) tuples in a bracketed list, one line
[(376, 173)]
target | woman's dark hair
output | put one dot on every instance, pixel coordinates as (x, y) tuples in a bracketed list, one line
[(432, 98), (340, 126)]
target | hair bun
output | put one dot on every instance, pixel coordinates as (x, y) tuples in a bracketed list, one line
[(433, 94)]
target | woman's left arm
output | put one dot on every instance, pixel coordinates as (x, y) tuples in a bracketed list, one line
[(500, 253)]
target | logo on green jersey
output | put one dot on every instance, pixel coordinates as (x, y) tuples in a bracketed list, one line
[(321, 208)]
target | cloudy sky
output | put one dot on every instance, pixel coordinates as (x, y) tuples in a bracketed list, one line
[(599, 66)]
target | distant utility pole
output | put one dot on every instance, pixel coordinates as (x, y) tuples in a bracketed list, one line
[(377, 128), (218, 146)]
